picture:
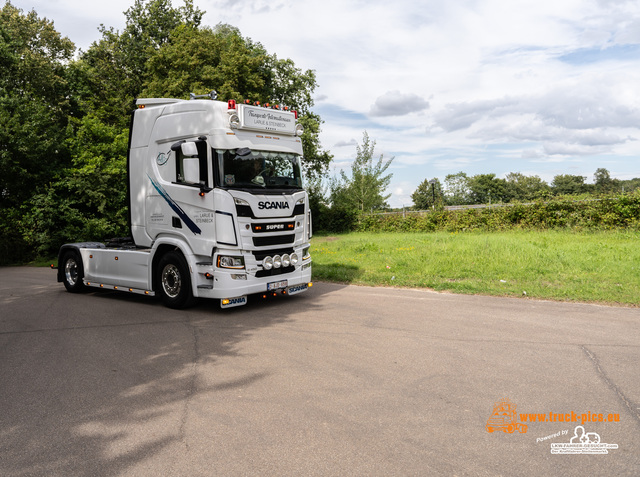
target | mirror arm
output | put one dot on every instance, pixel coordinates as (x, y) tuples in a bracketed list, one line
[(204, 189)]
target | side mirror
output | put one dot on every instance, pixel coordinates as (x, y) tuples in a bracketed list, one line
[(191, 169), (189, 149), (190, 160)]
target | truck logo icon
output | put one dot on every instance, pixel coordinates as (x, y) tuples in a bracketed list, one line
[(273, 205), (503, 418)]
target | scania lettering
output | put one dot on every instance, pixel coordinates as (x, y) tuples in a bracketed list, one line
[(273, 205), (217, 207)]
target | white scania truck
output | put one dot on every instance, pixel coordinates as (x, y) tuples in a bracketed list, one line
[(216, 204)]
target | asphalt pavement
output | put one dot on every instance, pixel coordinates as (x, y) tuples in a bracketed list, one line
[(340, 380)]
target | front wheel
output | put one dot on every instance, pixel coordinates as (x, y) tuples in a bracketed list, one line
[(72, 272), (174, 282)]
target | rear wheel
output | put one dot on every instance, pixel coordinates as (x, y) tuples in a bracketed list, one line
[(72, 272), (173, 281)]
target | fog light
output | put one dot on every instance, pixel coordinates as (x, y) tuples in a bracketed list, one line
[(294, 258), (286, 260), (277, 261), (267, 263)]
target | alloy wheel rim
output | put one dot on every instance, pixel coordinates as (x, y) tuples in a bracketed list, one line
[(71, 271), (171, 281)]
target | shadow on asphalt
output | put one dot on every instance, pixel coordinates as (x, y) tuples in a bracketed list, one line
[(338, 272), (88, 379)]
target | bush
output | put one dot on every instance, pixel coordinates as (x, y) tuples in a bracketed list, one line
[(616, 211)]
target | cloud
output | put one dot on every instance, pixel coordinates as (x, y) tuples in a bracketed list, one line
[(563, 149), (583, 119), (395, 103), (351, 142), (463, 115)]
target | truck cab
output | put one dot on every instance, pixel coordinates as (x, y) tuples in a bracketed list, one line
[(217, 207)]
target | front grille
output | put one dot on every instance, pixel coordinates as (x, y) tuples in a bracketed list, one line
[(261, 254), (274, 271), (273, 227), (246, 211), (274, 240)]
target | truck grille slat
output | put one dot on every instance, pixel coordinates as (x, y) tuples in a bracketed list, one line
[(274, 240)]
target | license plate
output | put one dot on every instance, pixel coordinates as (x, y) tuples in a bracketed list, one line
[(276, 285)]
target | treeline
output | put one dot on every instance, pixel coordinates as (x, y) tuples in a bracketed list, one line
[(461, 189), (64, 115), (621, 211), (357, 202)]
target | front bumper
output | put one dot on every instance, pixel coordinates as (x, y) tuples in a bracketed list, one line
[(222, 283)]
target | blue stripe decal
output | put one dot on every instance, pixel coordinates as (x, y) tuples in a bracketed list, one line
[(176, 208)]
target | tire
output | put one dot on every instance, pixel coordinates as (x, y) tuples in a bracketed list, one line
[(72, 272), (173, 281)]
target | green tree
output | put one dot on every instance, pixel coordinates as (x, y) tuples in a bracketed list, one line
[(457, 190), (568, 184), (87, 201), (199, 60), (34, 103), (112, 73), (630, 185), (603, 183), (427, 195), (316, 161), (487, 188), (365, 190), (34, 107), (521, 187)]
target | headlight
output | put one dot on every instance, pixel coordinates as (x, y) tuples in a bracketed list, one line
[(234, 121), (239, 201), (277, 261), (227, 261), (286, 260), (294, 258), (267, 263)]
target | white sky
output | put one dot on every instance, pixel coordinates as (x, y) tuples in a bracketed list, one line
[(481, 86)]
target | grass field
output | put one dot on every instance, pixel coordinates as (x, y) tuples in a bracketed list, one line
[(601, 267)]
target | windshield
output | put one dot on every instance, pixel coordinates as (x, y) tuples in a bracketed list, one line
[(247, 169)]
